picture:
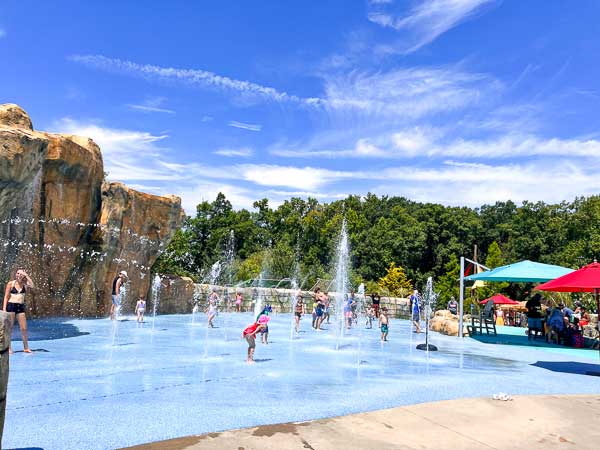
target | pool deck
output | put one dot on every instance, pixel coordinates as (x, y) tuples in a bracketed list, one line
[(527, 422)]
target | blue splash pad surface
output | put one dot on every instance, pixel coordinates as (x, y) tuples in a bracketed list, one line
[(109, 385)]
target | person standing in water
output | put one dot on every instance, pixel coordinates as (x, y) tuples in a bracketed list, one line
[(140, 309), (14, 303), (249, 334), (415, 308), (211, 312), (238, 301), (384, 323), (348, 301), (376, 300), (117, 283), (299, 310)]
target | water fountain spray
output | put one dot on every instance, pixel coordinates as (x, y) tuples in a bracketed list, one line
[(341, 280), (156, 284), (429, 302)]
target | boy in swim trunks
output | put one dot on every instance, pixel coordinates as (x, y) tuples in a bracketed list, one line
[(383, 323)]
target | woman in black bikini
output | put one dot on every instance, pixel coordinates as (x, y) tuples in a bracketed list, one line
[(14, 303)]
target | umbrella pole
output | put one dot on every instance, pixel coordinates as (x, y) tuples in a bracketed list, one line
[(596, 292)]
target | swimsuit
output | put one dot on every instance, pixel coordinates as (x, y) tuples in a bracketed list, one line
[(115, 295), (16, 302), (384, 328)]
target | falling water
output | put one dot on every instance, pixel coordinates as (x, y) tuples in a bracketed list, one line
[(293, 300), (341, 280), (258, 306), (156, 283), (196, 301), (429, 302)]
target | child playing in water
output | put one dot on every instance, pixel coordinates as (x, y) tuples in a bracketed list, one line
[(249, 334), (238, 302), (140, 309), (298, 311), (264, 333), (383, 323), (212, 308), (370, 317)]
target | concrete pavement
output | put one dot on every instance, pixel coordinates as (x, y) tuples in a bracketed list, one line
[(525, 423)]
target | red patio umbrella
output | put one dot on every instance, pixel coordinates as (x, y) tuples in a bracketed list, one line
[(500, 299), (586, 279)]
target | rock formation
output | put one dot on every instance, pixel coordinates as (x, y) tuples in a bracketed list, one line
[(68, 227), (5, 333), (445, 322)]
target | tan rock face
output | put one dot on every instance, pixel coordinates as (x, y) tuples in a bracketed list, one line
[(12, 115), (69, 229), (445, 322)]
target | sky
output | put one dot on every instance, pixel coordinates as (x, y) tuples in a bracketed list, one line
[(459, 102)]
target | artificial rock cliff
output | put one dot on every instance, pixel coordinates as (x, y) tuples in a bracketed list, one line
[(70, 229)]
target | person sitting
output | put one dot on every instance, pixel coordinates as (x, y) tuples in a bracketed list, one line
[(582, 315), (453, 306), (556, 325), (567, 313)]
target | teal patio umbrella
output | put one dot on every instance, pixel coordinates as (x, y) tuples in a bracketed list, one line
[(522, 272)]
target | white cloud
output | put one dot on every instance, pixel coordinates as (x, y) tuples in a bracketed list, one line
[(310, 178), (194, 193), (190, 77), (408, 92), (152, 105), (115, 141), (243, 152), (422, 24), (127, 154), (245, 126), (207, 119), (2, 33)]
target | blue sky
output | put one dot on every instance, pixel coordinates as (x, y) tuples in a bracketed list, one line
[(461, 102)]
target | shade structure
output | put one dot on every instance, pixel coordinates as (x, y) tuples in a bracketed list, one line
[(500, 299), (522, 272), (586, 279)]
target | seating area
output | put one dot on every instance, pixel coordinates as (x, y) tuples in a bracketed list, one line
[(486, 320)]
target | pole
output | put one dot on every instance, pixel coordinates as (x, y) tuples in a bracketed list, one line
[(461, 296), (596, 292)]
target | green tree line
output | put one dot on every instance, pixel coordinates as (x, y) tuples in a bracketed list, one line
[(424, 239)]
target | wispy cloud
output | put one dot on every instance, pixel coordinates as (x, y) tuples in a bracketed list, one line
[(408, 92), (242, 152), (423, 23), (2, 33), (189, 77), (127, 154), (245, 126), (151, 105), (311, 178), (426, 143), (207, 119)]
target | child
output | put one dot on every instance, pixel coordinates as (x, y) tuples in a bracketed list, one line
[(348, 311), (370, 317), (383, 323), (264, 332), (213, 301), (298, 311), (238, 302), (249, 334), (140, 309)]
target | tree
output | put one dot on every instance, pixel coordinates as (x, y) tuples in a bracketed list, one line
[(395, 281), (448, 284)]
